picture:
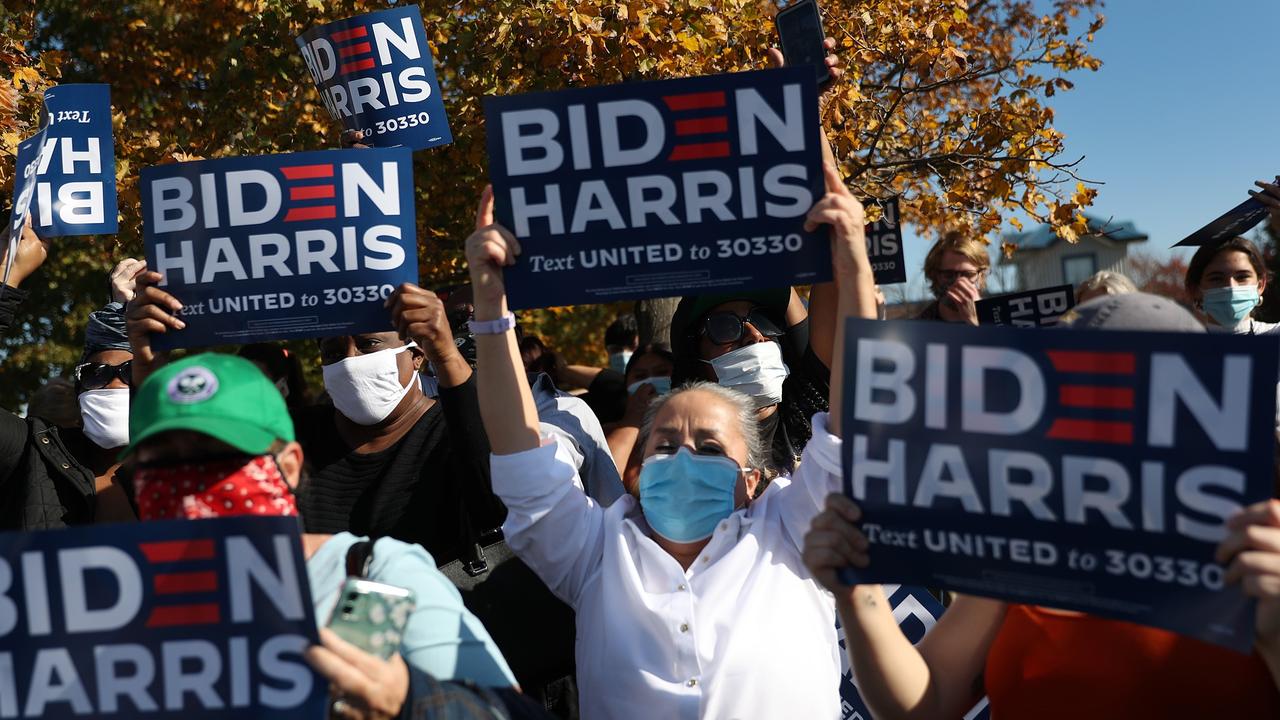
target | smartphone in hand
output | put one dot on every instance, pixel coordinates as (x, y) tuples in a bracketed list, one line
[(372, 615), (800, 32)]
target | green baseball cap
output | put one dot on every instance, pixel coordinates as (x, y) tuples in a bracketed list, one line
[(222, 396)]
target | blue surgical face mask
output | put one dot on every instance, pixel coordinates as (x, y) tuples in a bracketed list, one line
[(1229, 305), (661, 384), (618, 361), (684, 495)]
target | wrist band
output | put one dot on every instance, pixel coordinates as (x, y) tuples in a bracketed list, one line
[(492, 327)]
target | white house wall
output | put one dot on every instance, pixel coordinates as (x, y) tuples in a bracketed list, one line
[(1043, 268)]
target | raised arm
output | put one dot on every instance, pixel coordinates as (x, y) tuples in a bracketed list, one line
[(855, 285), (551, 524), (900, 681), (29, 256), (506, 403), (853, 296), (31, 253), (151, 311)]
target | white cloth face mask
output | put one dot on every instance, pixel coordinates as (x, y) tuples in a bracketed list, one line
[(755, 370), (105, 416), (366, 388)]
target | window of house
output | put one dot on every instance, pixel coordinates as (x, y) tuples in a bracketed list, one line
[(1078, 268)]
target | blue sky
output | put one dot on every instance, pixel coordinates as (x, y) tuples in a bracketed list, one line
[(1180, 120)]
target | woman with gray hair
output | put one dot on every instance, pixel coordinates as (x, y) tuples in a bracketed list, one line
[(692, 599)]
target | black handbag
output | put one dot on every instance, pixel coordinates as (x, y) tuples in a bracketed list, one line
[(532, 627)]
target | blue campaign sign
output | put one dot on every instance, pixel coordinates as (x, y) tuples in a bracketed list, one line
[(75, 191), (1234, 222), (884, 244), (24, 189), (185, 619), (281, 246), (1033, 308), (375, 73), (653, 189), (1076, 469), (24, 183)]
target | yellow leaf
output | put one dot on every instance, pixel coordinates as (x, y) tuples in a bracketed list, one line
[(28, 76), (689, 42)]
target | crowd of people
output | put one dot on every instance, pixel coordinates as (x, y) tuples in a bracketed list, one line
[(658, 538)]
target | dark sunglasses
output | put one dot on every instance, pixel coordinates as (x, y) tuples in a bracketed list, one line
[(722, 328), (95, 376)]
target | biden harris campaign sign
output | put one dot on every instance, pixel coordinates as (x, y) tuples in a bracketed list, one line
[(281, 246), (1084, 470), (75, 181), (1033, 308), (185, 619), (375, 73), (66, 172), (884, 244), (659, 188)]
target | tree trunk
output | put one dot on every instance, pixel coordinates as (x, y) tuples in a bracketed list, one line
[(654, 318)]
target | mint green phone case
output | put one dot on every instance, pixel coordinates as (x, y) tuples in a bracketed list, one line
[(372, 615)]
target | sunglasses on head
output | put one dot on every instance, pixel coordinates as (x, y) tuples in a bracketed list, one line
[(723, 328), (95, 376)]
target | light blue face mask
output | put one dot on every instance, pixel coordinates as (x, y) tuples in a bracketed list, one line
[(1229, 305), (661, 384), (618, 361), (684, 495)]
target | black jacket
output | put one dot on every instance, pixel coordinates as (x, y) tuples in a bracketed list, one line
[(41, 484)]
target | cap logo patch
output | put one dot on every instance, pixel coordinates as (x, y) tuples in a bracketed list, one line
[(192, 385)]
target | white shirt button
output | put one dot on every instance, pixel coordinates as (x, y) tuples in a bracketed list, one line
[(680, 587), (692, 682), (684, 627)]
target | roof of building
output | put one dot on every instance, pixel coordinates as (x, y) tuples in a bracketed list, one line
[(1122, 231)]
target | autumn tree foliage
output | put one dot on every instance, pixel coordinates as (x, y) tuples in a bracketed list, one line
[(1160, 276), (945, 102)]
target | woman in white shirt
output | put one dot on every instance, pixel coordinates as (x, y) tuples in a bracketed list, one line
[(692, 601)]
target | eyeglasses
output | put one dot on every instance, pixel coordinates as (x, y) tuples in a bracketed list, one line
[(950, 276), (723, 328), (95, 376)]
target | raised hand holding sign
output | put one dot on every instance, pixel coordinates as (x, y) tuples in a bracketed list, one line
[(1083, 470), (281, 246), (376, 75), (655, 188)]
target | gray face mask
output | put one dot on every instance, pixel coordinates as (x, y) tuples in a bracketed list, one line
[(755, 370)]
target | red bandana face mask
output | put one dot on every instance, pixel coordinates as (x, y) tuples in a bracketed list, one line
[(213, 489)]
